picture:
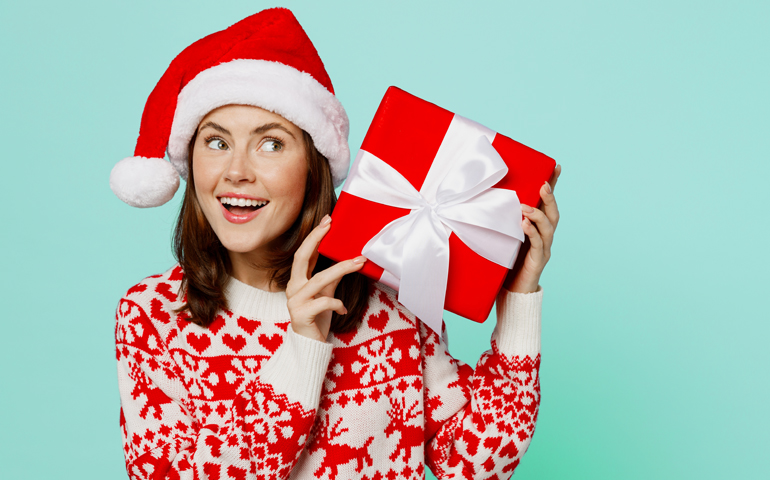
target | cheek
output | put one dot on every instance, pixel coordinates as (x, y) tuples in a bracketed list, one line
[(204, 175), (298, 189), (289, 184)]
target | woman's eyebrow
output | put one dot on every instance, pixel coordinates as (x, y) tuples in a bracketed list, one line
[(215, 126), (269, 126)]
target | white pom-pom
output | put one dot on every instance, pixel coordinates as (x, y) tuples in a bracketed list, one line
[(144, 182)]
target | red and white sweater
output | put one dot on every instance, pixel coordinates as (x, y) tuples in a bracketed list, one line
[(249, 398)]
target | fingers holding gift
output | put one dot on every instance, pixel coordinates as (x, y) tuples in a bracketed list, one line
[(306, 256), (324, 304), (325, 281), (535, 240), (306, 314), (541, 222), (549, 200), (554, 177), (539, 230), (310, 306)]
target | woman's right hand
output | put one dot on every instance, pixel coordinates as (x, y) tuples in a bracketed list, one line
[(311, 299)]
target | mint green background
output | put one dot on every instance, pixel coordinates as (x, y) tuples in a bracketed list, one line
[(655, 319)]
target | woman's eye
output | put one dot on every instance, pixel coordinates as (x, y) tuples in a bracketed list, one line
[(217, 144), (272, 146)]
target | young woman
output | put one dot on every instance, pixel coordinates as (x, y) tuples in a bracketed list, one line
[(256, 358)]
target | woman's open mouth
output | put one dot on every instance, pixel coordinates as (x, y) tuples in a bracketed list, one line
[(240, 210)]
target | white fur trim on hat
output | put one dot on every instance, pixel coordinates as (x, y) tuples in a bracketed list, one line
[(276, 87), (144, 182)]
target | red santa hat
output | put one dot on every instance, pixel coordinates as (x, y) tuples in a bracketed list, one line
[(265, 60)]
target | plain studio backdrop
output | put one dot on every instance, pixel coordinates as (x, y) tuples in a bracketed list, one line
[(655, 319)]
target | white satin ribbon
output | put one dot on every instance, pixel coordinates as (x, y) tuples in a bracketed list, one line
[(457, 196)]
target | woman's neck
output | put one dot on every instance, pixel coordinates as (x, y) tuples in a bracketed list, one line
[(245, 270)]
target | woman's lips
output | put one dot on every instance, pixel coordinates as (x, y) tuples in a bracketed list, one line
[(233, 218)]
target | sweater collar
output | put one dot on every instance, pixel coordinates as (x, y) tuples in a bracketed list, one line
[(245, 300)]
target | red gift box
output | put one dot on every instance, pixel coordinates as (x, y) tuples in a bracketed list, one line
[(406, 134)]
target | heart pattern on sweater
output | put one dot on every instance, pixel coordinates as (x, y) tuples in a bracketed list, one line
[(270, 342), (165, 290), (248, 326), (378, 322), (157, 312), (138, 288), (176, 274), (346, 337), (236, 343), (199, 342), (236, 473), (217, 324)]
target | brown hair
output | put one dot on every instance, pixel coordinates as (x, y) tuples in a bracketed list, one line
[(206, 263)]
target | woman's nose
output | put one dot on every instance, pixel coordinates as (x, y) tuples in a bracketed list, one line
[(240, 170)]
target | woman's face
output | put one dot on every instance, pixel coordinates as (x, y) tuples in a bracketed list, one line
[(249, 168)]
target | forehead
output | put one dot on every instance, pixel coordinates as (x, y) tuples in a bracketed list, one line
[(246, 116)]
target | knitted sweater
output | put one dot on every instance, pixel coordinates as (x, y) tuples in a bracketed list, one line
[(249, 398)]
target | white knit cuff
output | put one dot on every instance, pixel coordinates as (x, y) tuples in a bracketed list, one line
[(518, 322), (298, 368)]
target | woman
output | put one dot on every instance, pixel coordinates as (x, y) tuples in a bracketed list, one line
[(240, 362)]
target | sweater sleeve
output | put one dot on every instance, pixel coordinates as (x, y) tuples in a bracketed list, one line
[(265, 427), (480, 422)]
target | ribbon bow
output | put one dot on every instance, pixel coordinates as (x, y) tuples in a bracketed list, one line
[(456, 196)]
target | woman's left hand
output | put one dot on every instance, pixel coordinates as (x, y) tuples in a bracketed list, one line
[(538, 225)]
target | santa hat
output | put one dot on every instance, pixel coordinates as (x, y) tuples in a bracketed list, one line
[(265, 60)]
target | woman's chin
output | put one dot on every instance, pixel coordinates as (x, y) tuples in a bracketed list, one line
[(241, 245)]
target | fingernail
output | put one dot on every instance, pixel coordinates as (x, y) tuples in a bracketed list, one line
[(526, 208), (326, 220), (548, 187), (359, 260), (346, 310)]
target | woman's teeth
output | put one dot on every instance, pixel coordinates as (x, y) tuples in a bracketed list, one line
[(242, 206), (242, 202)]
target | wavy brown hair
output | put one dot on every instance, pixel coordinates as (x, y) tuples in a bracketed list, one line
[(206, 263)]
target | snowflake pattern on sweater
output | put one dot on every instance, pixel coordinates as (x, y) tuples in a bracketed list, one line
[(248, 398)]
